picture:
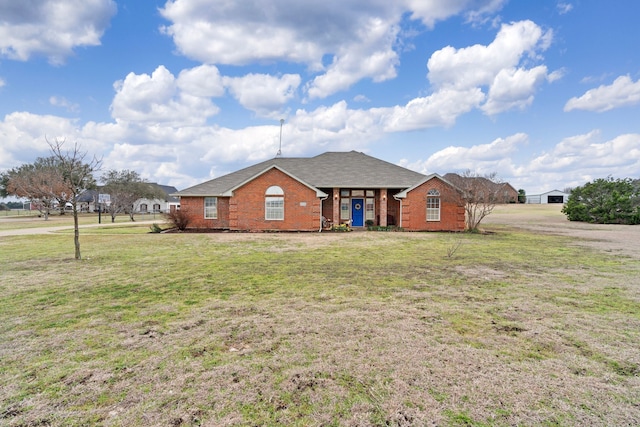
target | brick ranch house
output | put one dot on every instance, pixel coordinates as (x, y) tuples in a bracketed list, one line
[(309, 194)]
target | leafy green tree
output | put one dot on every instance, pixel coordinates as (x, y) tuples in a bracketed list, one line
[(15, 205), (605, 201), (4, 181), (522, 196), (124, 188)]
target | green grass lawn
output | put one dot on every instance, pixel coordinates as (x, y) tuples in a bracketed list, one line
[(57, 220), (361, 328)]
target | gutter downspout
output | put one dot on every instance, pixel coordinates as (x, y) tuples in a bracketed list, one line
[(322, 199), (400, 216)]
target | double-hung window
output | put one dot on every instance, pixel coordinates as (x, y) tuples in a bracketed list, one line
[(344, 209), (274, 204), (433, 205), (211, 208), (369, 209)]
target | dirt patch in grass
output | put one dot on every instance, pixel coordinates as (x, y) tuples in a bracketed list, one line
[(520, 327), (615, 239)]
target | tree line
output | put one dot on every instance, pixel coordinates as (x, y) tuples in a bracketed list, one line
[(59, 179)]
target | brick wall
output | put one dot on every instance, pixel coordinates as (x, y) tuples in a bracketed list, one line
[(195, 206), (246, 209), (301, 205), (414, 209)]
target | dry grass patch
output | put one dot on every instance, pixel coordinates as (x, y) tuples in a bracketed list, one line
[(221, 329)]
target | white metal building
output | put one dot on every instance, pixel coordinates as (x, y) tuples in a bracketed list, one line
[(553, 196)]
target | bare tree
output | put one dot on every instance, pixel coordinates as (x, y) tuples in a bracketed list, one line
[(125, 188), (42, 183), (480, 194), (77, 175)]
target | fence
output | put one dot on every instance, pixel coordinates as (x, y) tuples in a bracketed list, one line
[(16, 212)]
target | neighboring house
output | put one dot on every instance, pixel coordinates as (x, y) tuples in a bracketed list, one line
[(305, 194), (88, 201), (553, 196), (509, 193), (163, 205), (503, 191)]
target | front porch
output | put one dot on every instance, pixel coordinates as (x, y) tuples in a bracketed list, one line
[(360, 207)]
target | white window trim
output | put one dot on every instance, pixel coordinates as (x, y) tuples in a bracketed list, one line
[(212, 207), (370, 214), (273, 213), (433, 213), (345, 214)]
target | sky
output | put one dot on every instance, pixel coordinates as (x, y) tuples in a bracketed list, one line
[(545, 93)]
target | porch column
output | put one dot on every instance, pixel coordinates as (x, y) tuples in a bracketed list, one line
[(336, 205), (383, 207)]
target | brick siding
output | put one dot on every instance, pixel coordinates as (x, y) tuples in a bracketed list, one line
[(246, 209), (195, 207), (414, 209), (301, 205)]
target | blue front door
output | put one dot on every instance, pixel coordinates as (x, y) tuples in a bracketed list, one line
[(357, 212)]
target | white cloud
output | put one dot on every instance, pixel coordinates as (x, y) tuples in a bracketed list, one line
[(513, 89), (183, 155), (479, 65), (359, 37), (204, 81), (262, 93), (620, 155), (22, 130), (338, 121), (482, 158), (158, 99), (496, 66), (439, 109), (564, 8), (24, 137), (61, 101), (571, 162), (429, 12), (621, 93), (52, 28), (581, 158), (370, 55)]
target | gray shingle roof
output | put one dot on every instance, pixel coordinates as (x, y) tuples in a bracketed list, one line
[(168, 191), (329, 170)]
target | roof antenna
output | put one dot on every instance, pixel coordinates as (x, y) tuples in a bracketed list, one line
[(280, 146)]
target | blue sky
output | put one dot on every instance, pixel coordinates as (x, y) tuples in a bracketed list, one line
[(545, 93)]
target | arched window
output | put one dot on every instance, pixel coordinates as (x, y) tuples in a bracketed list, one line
[(274, 204), (433, 205), (274, 190), (143, 207)]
